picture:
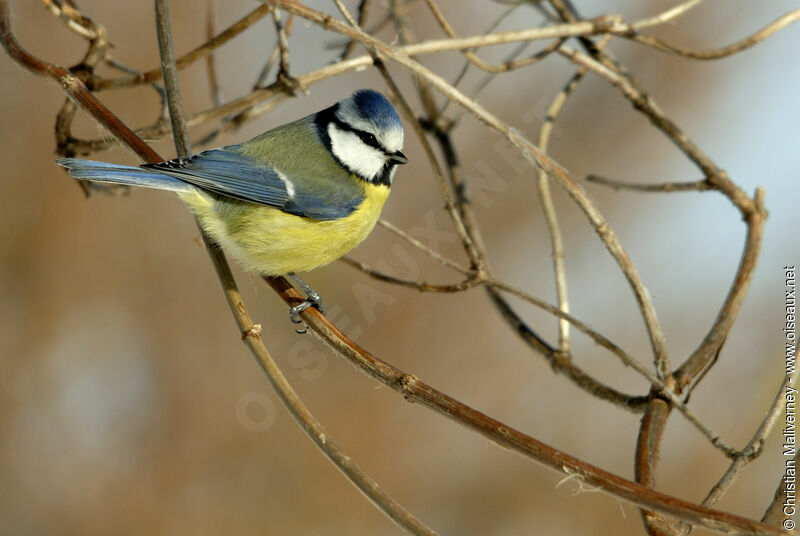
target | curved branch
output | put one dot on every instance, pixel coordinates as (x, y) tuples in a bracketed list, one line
[(190, 57), (717, 53)]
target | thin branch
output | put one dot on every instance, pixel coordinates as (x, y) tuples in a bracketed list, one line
[(162, 93), (668, 15), (475, 60), (645, 104), (363, 9), (73, 18), (421, 286), (536, 302), (464, 68), (733, 302), (169, 72), (422, 247), (717, 53), (211, 69), (543, 183), (664, 187), (562, 362), (190, 57), (284, 73), (275, 54)]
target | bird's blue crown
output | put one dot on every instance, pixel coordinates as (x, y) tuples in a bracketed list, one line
[(373, 106)]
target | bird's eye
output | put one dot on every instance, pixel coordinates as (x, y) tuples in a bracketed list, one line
[(368, 138)]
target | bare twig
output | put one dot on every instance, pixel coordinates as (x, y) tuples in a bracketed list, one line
[(520, 48), (422, 247), (169, 73), (755, 446), (717, 53), (422, 286), (275, 55), (664, 187), (211, 69), (363, 9), (284, 73), (668, 15), (476, 60), (549, 208), (190, 57)]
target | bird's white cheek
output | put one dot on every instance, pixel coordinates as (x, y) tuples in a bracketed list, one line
[(353, 153)]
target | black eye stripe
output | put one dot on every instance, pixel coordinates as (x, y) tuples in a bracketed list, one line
[(366, 137)]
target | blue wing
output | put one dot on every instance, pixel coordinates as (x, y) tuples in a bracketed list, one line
[(227, 172)]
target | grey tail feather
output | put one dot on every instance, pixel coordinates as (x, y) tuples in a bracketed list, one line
[(91, 170)]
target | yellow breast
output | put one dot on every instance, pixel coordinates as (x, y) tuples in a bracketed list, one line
[(272, 242)]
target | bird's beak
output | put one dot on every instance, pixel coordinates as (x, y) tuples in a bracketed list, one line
[(398, 158)]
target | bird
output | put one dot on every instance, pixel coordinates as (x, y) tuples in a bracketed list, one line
[(290, 200)]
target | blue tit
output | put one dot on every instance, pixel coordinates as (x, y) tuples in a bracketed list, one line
[(292, 199)]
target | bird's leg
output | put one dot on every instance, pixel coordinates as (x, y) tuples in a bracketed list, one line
[(312, 299)]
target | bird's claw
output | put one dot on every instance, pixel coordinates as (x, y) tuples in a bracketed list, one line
[(295, 311), (313, 300)]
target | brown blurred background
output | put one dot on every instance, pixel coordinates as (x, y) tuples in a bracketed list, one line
[(128, 403)]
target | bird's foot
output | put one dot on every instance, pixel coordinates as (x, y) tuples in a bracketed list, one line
[(313, 299)]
